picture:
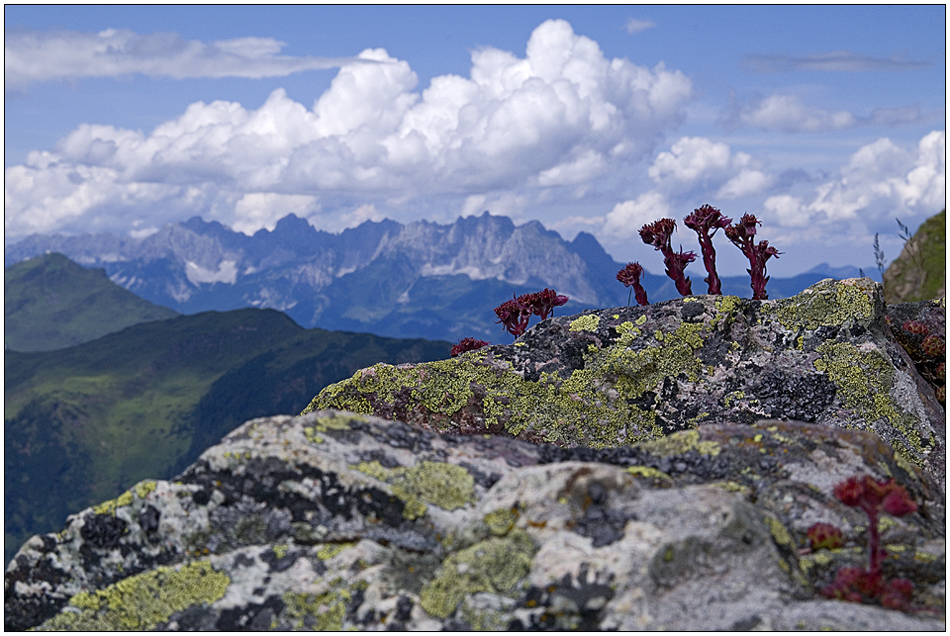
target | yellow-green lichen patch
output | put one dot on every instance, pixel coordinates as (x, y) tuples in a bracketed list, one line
[(495, 565), (320, 612), (445, 485), (732, 486), (141, 489), (827, 303), (679, 443), (778, 530), (501, 521), (143, 601), (648, 472), (589, 407), (590, 322), (819, 558), (324, 424), (783, 538), (330, 550), (730, 397), (864, 380)]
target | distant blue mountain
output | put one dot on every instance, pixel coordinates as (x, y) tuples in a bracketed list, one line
[(416, 280)]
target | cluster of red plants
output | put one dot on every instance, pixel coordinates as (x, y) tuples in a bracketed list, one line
[(860, 585), (514, 315), (928, 351), (705, 221)]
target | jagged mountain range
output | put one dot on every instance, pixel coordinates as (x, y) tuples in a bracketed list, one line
[(420, 279)]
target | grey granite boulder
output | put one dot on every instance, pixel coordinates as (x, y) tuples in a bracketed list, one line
[(615, 377), (334, 520)]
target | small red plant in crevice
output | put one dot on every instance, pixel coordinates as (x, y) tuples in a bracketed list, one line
[(630, 277), (467, 344), (825, 535), (514, 314), (658, 234), (869, 586)]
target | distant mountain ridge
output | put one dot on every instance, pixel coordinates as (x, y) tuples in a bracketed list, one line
[(420, 279)]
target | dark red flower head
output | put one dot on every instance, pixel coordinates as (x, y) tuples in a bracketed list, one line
[(706, 218), (658, 233), (543, 302), (467, 344), (630, 274)]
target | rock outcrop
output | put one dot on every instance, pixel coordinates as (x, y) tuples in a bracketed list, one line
[(635, 468), (334, 521), (615, 377)]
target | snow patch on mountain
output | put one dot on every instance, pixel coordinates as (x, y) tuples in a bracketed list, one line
[(226, 272)]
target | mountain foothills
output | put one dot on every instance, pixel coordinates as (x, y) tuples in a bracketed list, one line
[(51, 302), (416, 280), (83, 423), (920, 272)]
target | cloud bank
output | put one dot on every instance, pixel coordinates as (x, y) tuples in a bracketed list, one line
[(787, 113), (37, 56), (836, 61), (561, 116), (880, 181)]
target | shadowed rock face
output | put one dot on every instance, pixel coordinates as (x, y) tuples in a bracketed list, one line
[(335, 521), (610, 470), (618, 376)]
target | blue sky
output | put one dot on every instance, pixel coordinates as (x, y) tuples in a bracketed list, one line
[(597, 119)]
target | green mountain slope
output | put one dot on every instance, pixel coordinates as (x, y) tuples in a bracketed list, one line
[(920, 272), (83, 424), (51, 302)]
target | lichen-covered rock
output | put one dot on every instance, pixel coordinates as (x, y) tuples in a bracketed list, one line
[(337, 521), (615, 377)]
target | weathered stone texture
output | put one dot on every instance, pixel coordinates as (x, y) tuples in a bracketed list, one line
[(334, 520)]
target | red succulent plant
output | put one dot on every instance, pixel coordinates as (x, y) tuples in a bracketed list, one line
[(514, 314), (658, 234), (705, 221), (467, 344), (859, 585), (630, 277), (742, 236)]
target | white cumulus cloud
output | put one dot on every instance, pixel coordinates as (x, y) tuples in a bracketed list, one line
[(695, 162), (559, 117), (627, 217)]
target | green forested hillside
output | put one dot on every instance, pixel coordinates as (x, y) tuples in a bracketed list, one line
[(51, 302), (83, 424)]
